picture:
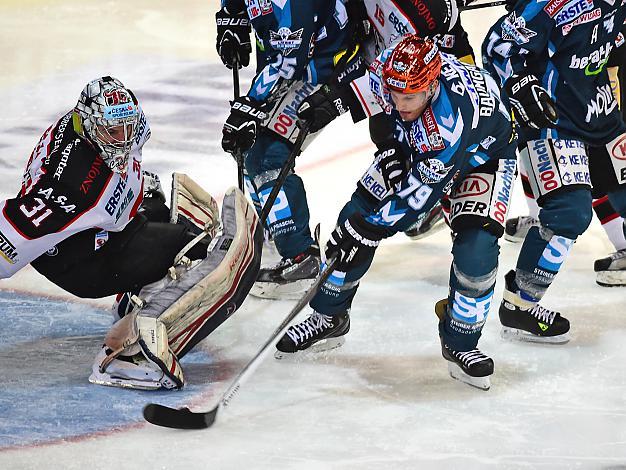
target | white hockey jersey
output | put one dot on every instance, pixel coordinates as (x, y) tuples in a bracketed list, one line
[(68, 188)]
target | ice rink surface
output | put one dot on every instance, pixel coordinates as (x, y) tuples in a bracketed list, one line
[(382, 401)]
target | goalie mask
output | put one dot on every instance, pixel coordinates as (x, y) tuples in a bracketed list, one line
[(107, 115)]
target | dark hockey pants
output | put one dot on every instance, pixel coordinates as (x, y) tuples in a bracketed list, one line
[(138, 255)]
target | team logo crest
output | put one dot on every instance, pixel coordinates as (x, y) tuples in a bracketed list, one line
[(514, 29), (285, 40)]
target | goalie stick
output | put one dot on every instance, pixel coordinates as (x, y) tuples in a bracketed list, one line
[(184, 418)]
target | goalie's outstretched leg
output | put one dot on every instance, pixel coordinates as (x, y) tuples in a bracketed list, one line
[(172, 315)]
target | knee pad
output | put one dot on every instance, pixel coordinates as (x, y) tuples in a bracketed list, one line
[(475, 263), (567, 213)]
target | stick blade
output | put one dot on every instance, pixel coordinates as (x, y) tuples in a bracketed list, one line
[(182, 418)]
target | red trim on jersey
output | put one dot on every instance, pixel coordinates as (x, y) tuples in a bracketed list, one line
[(608, 218), (408, 18), (138, 202), (362, 100), (90, 207), (599, 201)]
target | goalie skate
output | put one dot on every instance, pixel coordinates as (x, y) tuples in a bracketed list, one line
[(611, 271)]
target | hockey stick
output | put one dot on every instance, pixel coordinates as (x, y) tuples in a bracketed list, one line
[(238, 155), (184, 418), (484, 5)]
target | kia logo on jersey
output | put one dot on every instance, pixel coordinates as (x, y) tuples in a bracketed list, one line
[(618, 150), (472, 185)]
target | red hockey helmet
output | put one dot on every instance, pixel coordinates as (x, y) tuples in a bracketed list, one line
[(412, 66)]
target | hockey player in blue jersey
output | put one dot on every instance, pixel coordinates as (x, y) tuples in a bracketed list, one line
[(454, 137), (298, 49), (551, 58)]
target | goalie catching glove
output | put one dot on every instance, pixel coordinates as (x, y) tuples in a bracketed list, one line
[(172, 315), (532, 104)]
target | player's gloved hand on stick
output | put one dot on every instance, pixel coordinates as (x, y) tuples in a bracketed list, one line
[(240, 130), (463, 3), (510, 5), (354, 242), (320, 108), (531, 103), (233, 38), (392, 163)]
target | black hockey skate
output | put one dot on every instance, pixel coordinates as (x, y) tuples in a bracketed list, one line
[(527, 321), (290, 277), (471, 367), (432, 223), (315, 334), (611, 271), (515, 229)]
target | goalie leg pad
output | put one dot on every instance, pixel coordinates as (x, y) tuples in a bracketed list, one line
[(192, 206), (196, 298)]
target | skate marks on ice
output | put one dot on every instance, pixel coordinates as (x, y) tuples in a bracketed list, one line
[(46, 351)]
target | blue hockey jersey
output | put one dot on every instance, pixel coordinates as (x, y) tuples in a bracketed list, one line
[(566, 44), (468, 124), (296, 40)]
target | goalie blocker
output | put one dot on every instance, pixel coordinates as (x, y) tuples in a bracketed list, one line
[(170, 316)]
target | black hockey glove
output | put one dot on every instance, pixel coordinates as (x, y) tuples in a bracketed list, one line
[(354, 242), (532, 105), (320, 108), (510, 5), (463, 3), (240, 130), (392, 162), (233, 38)]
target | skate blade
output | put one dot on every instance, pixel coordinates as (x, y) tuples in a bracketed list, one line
[(513, 334), (611, 278), (273, 291), (482, 383), (108, 381), (321, 346)]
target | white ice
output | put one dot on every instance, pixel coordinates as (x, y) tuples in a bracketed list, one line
[(382, 401)]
